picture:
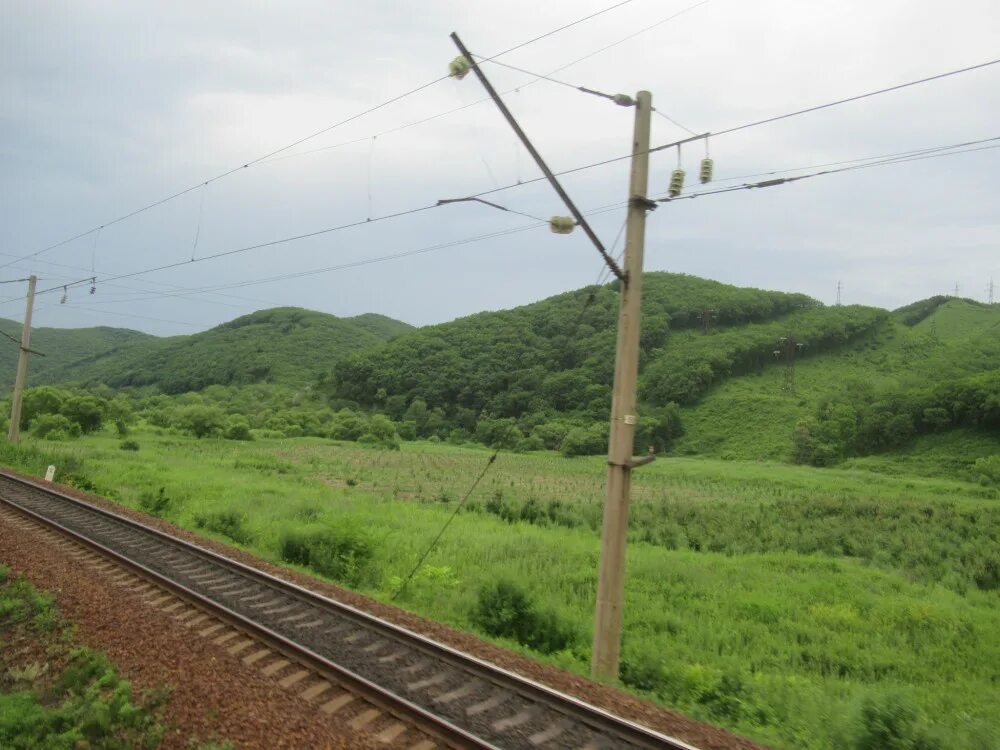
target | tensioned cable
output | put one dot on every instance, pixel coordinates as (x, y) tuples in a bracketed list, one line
[(355, 264), (504, 93), (818, 107), (444, 528), (796, 178), (899, 154), (134, 289), (383, 218), (309, 137)]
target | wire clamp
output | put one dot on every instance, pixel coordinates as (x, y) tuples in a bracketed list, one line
[(646, 204)]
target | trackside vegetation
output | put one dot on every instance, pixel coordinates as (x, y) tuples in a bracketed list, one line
[(800, 606), (71, 697), (814, 556)]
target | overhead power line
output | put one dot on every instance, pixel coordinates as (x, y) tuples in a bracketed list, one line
[(620, 99), (785, 180), (329, 230), (299, 141), (354, 264), (855, 98), (898, 154), (515, 89)]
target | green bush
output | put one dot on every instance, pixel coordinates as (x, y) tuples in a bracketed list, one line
[(344, 554), (129, 445), (200, 421), (238, 428), (986, 470), (228, 523), (54, 427), (157, 504), (585, 441), (504, 610), (893, 723), (381, 433)]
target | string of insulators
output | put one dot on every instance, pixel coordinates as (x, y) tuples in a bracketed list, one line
[(676, 183), (459, 67), (562, 224), (93, 285), (65, 294), (707, 166)]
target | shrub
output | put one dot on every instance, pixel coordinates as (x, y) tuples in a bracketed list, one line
[(584, 441), (129, 445), (892, 723), (157, 504), (54, 427), (986, 470), (504, 610), (86, 411), (381, 433), (200, 421), (237, 428), (228, 523), (343, 554)]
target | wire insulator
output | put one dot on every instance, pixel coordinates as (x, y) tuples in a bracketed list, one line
[(676, 183), (623, 100), (459, 67), (562, 224), (707, 167)]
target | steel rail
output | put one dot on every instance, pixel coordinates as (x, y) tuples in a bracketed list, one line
[(595, 718)]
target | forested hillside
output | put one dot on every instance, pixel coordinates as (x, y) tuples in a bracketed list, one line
[(284, 345), (556, 357), (61, 347), (724, 371), (932, 367)]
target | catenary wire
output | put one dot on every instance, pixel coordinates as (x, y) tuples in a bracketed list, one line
[(796, 178), (855, 98), (405, 213), (503, 93), (302, 140), (899, 154)]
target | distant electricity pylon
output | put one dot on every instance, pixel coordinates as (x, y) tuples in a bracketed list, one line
[(840, 286), (956, 289), (989, 291), (790, 349)]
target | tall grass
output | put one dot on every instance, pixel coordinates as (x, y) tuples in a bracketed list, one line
[(799, 606)]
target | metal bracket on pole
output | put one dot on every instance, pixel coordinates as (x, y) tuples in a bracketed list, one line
[(580, 220)]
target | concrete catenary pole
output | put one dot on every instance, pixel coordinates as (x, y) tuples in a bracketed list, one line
[(611, 580), (14, 433)]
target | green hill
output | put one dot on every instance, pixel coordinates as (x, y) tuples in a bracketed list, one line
[(62, 347), (284, 345), (928, 346), (557, 355), (758, 375)]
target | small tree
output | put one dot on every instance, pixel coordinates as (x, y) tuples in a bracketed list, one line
[(237, 428), (201, 421), (86, 411)]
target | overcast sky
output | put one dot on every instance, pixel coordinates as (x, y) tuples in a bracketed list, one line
[(108, 106)]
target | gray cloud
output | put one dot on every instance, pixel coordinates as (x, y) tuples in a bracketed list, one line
[(110, 105)]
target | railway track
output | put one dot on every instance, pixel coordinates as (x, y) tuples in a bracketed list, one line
[(452, 699)]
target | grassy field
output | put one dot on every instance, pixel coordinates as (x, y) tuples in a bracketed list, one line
[(805, 608)]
